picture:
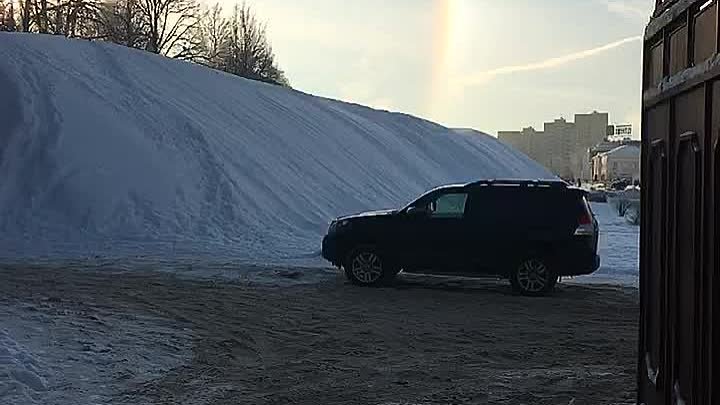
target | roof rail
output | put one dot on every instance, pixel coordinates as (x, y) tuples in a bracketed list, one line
[(520, 183)]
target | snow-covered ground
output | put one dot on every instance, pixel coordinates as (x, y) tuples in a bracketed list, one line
[(20, 372), (62, 351), (92, 337), (619, 248), (114, 152)]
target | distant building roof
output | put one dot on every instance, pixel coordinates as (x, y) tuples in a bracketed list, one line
[(607, 146), (624, 151)]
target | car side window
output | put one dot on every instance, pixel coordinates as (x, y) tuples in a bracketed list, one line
[(451, 205)]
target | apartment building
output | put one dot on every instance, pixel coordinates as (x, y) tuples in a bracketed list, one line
[(562, 145)]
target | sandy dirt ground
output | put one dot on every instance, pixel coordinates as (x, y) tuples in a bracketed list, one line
[(155, 338)]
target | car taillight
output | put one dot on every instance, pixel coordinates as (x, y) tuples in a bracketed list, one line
[(586, 226), (585, 219)]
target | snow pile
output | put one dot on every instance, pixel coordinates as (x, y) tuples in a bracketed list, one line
[(106, 150), (20, 378)]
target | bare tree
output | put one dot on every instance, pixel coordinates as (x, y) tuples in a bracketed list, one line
[(61, 17), (171, 27), (40, 16), (3, 11), (7, 16), (26, 16), (10, 24), (214, 32), (122, 22), (175, 28), (81, 17), (247, 51), (3, 15)]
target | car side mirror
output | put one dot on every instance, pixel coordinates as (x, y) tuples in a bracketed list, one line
[(416, 212)]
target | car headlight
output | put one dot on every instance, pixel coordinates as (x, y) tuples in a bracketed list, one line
[(336, 226)]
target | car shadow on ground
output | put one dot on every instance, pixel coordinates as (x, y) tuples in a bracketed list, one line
[(406, 281), (490, 286)]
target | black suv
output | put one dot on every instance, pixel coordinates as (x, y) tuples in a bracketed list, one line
[(529, 231)]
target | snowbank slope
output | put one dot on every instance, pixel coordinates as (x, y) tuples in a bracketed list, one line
[(110, 150)]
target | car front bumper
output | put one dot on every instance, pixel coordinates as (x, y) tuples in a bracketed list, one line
[(329, 250)]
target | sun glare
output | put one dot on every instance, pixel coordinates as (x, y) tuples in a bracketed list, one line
[(449, 32)]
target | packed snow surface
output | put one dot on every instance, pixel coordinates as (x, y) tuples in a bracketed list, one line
[(20, 378), (55, 351), (110, 151), (618, 247)]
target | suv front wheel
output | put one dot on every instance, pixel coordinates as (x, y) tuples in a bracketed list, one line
[(366, 266), (532, 276)]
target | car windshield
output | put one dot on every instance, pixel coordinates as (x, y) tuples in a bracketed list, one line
[(416, 201), (424, 196)]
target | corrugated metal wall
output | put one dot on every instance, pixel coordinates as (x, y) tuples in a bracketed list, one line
[(680, 253)]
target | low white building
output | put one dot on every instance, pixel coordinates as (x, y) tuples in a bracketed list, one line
[(622, 162)]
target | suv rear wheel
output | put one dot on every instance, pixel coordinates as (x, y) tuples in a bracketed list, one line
[(366, 266), (532, 276)]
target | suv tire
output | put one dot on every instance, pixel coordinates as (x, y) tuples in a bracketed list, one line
[(365, 266), (533, 277)]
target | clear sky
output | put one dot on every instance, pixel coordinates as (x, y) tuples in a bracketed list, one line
[(486, 64)]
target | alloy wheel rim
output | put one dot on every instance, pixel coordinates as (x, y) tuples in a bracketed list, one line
[(367, 267), (532, 275)]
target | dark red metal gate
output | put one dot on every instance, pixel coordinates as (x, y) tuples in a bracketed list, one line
[(679, 348)]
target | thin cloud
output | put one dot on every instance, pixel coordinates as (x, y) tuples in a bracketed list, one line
[(639, 10), (482, 77)]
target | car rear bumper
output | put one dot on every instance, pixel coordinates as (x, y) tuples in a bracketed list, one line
[(578, 265)]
